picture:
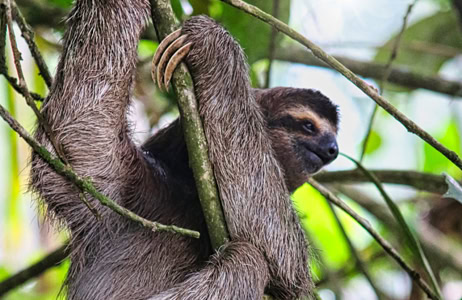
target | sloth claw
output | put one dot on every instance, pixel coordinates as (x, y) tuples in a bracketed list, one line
[(174, 62), (169, 54)]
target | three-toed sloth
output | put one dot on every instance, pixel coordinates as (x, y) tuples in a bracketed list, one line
[(262, 145)]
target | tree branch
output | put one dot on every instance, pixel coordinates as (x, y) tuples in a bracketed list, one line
[(359, 263), (436, 245), (361, 84), (418, 180), (165, 23), (415, 276), (272, 45), (85, 184), (398, 75), (386, 75), (52, 259), (28, 36)]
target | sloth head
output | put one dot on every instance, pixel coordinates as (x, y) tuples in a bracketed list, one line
[(303, 125)]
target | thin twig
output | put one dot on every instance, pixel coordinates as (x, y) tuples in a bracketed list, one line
[(85, 184), (386, 75), (361, 266), (411, 239), (272, 45), (14, 84), (28, 36), (3, 67), (436, 245), (335, 64), (23, 85), (380, 240), (52, 259)]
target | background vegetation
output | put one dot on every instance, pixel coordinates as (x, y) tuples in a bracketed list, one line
[(409, 50)]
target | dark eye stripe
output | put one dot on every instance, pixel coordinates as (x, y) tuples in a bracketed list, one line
[(291, 123)]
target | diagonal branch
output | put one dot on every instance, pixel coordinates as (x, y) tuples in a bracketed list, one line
[(6, 5), (28, 36), (361, 84), (416, 277), (398, 75), (384, 79), (52, 259), (85, 184)]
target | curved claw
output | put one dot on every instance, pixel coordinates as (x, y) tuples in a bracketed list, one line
[(171, 49), (174, 61), (164, 44), (160, 49)]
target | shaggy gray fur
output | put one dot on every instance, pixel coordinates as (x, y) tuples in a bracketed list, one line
[(115, 258)]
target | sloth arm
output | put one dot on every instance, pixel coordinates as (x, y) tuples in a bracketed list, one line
[(255, 200), (87, 112)]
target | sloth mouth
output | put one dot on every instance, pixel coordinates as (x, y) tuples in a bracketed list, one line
[(312, 159)]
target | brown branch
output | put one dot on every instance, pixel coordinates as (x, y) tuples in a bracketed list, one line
[(398, 75), (415, 276), (361, 84), (6, 4), (28, 36), (360, 265), (14, 84), (85, 184), (53, 259), (386, 75), (418, 180), (3, 66), (436, 245)]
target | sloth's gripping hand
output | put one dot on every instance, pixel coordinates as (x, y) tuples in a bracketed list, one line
[(169, 54)]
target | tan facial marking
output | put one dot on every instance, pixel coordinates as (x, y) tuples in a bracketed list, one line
[(303, 113)]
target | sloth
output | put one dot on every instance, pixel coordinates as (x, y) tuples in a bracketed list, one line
[(263, 144)]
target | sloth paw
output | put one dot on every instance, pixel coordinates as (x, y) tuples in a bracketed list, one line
[(168, 56)]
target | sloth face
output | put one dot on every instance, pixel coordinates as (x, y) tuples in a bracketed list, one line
[(303, 129)]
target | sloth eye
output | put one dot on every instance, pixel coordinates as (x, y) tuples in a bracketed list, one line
[(308, 126)]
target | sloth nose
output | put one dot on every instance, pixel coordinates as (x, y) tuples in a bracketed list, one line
[(330, 150)]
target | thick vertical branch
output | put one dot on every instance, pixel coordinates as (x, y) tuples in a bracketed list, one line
[(165, 23)]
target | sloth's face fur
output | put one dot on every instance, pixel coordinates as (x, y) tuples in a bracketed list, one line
[(303, 128)]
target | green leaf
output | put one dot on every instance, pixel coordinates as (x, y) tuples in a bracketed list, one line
[(252, 34), (454, 189), (4, 273), (424, 43), (374, 142), (434, 161), (317, 219)]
